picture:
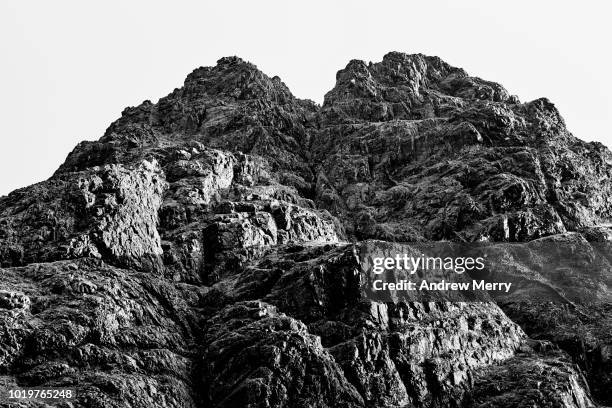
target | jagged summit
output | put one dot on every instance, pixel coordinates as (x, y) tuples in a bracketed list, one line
[(390, 124), (203, 249), (404, 86), (233, 77)]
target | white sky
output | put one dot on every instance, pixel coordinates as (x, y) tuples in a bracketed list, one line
[(68, 68)]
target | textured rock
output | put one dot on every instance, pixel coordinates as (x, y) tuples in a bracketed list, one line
[(415, 148), (258, 357), (203, 252), (116, 335), (109, 212), (416, 354), (531, 379)]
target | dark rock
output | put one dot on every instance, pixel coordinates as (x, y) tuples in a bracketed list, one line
[(529, 380), (203, 252)]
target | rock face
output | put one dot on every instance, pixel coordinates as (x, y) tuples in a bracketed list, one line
[(202, 253)]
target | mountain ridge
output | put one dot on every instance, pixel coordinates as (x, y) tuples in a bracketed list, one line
[(202, 251)]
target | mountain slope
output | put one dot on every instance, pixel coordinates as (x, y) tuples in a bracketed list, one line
[(202, 252)]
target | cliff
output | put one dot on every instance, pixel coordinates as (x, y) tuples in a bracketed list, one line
[(202, 252)]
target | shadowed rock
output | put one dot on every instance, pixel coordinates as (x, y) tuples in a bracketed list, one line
[(202, 253)]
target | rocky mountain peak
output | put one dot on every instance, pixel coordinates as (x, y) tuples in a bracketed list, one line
[(237, 79), (204, 249), (406, 86)]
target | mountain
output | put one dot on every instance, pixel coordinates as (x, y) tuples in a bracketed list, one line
[(202, 253)]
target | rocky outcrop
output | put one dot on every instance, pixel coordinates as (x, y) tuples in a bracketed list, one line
[(258, 357), (409, 353), (532, 379), (115, 335), (204, 251), (417, 149), (108, 212)]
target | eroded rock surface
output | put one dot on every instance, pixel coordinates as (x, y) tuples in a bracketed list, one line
[(202, 253)]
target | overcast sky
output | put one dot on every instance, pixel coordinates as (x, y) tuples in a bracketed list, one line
[(68, 68)]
